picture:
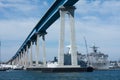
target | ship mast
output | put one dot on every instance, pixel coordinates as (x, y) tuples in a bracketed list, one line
[(87, 51), (86, 45), (94, 49)]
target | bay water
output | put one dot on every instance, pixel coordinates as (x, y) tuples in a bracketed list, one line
[(37, 75)]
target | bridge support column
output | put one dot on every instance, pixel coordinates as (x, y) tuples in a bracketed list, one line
[(19, 58), (72, 41), (13, 62), (24, 58), (44, 48), (37, 50), (61, 40), (27, 61), (70, 11), (31, 60), (16, 60)]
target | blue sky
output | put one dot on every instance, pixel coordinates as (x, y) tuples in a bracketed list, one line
[(97, 20)]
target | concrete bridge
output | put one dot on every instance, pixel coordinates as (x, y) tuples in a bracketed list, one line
[(59, 9)]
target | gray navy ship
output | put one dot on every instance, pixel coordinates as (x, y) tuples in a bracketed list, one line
[(95, 59), (98, 60)]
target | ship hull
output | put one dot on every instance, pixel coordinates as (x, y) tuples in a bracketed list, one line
[(3, 69), (101, 67)]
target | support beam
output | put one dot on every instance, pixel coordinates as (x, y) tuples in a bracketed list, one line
[(61, 39), (37, 50), (22, 63), (19, 60), (31, 59), (72, 40), (24, 58), (12, 62), (27, 61), (15, 61), (44, 49)]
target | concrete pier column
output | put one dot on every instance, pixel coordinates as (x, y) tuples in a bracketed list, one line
[(18, 59), (61, 39), (13, 62), (44, 49), (37, 50), (72, 35), (31, 59), (24, 58), (70, 11), (21, 58), (27, 61)]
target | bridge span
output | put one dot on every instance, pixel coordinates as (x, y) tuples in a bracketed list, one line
[(58, 9)]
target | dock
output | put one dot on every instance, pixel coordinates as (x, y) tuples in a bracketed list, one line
[(61, 69)]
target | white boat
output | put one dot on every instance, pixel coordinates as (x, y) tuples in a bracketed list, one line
[(52, 64)]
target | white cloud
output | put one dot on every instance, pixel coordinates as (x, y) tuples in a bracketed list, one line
[(16, 29), (13, 33), (104, 7), (8, 51), (14, 4), (25, 8), (45, 3)]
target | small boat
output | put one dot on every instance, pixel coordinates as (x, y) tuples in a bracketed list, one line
[(3, 69)]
